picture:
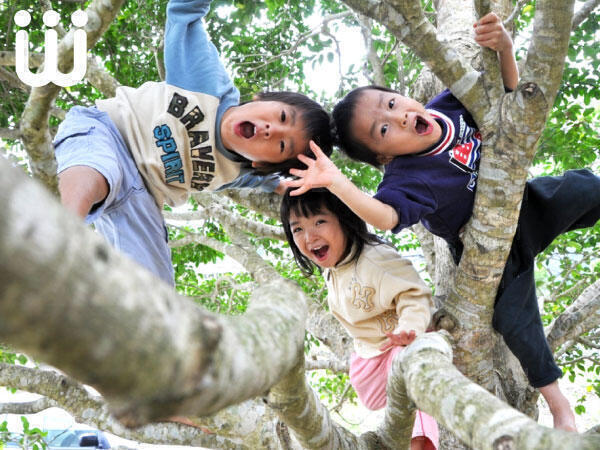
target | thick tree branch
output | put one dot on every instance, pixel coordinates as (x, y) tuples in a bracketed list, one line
[(405, 20), (298, 406), (265, 204), (580, 317), (548, 47), (327, 329), (7, 58), (11, 79), (32, 407), (100, 78), (396, 429), (507, 153), (328, 364), (476, 416), (66, 393), (215, 207), (584, 12), (112, 315)]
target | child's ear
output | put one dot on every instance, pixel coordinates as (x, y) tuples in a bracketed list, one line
[(384, 159), (258, 164)]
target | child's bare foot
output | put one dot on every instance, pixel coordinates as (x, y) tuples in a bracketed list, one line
[(561, 411), (565, 422), (563, 417)]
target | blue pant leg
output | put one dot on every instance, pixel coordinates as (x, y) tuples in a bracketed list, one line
[(551, 206), (136, 227), (133, 223), (129, 217)]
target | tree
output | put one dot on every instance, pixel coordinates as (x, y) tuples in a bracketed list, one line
[(55, 274)]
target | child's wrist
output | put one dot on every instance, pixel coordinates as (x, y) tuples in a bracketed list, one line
[(338, 182)]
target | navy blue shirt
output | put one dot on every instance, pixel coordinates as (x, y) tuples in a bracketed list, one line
[(437, 186)]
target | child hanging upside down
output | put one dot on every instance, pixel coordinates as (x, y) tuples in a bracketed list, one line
[(120, 161)]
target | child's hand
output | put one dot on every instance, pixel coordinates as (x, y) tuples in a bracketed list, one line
[(283, 186), (320, 172), (490, 33), (401, 339)]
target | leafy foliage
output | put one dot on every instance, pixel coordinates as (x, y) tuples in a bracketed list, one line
[(273, 44), (30, 438), (10, 357)]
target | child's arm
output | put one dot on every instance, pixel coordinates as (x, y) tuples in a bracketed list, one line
[(412, 300), (490, 33), (191, 60), (322, 172), (401, 339), (193, 63)]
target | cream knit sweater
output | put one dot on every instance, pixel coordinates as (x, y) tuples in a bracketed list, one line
[(379, 293)]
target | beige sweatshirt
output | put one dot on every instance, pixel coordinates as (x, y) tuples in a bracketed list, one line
[(379, 293), (171, 135)]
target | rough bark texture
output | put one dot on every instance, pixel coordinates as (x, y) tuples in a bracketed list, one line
[(224, 430), (480, 419), (510, 125), (299, 407), (194, 356), (56, 276)]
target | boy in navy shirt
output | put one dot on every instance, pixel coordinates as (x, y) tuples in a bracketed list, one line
[(431, 157)]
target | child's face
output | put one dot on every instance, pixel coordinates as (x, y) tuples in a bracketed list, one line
[(319, 237), (264, 131), (393, 125)]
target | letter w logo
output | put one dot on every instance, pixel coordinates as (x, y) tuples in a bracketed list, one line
[(50, 73)]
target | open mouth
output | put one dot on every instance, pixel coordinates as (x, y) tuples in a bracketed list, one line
[(422, 126), (320, 252), (246, 129)]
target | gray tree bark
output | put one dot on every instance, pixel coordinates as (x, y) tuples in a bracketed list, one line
[(52, 270), (88, 298)]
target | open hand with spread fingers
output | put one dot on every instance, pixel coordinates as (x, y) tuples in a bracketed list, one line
[(401, 339), (320, 172)]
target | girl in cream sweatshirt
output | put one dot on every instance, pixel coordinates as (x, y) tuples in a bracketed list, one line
[(375, 293)]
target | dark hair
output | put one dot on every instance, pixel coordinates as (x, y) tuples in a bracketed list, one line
[(343, 114), (314, 202), (316, 126)]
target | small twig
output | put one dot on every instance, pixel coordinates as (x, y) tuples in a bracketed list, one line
[(572, 362), (588, 343), (583, 13), (342, 398), (328, 364), (517, 9)]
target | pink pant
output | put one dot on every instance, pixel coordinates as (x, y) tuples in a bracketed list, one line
[(369, 378)]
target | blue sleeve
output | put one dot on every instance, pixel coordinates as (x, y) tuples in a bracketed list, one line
[(191, 60), (411, 200), (251, 179)]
